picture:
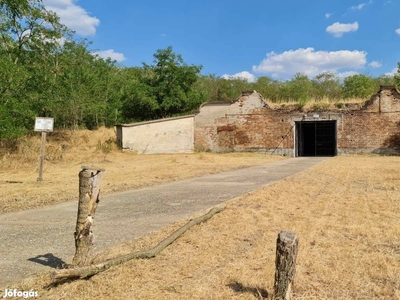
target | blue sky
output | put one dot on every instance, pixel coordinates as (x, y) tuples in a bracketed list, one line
[(247, 39)]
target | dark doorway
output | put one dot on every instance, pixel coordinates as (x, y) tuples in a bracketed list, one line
[(316, 138)]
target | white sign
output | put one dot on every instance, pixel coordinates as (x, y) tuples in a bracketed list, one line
[(44, 124)]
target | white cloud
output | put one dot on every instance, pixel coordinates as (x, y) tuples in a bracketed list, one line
[(328, 15), (358, 7), (343, 75), (338, 29), (397, 31), (73, 16), (241, 75), (119, 57), (375, 64), (391, 73), (310, 62)]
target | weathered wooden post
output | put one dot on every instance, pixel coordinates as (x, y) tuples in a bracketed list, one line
[(285, 262), (89, 196), (44, 125)]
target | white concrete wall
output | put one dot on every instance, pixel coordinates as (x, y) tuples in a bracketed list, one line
[(173, 135)]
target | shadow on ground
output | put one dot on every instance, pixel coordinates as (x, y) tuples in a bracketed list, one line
[(49, 260), (239, 288)]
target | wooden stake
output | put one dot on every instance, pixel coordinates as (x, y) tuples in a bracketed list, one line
[(94, 269), (89, 197), (286, 254), (42, 150)]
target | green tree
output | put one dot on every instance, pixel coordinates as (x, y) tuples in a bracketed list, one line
[(384, 80), (29, 38), (326, 85), (358, 86), (264, 85), (299, 88), (83, 94), (171, 81), (138, 102)]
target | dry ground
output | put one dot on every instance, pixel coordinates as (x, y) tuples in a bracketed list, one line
[(345, 211), (67, 151)]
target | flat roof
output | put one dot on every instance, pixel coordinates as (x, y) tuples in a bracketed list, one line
[(154, 121)]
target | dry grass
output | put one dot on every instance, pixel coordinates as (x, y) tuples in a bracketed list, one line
[(320, 105), (67, 151), (346, 212)]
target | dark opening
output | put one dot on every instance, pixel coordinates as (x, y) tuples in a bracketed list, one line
[(316, 138)]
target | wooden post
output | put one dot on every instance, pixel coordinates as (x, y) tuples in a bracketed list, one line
[(285, 262), (42, 150), (89, 196)]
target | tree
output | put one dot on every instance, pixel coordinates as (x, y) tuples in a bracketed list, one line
[(135, 95), (171, 81), (83, 94), (385, 79), (264, 85), (326, 85), (358, 86), (29, 38), (300, 88)]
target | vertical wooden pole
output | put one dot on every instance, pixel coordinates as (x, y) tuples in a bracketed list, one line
[(89, 197), (285, 262), (42, 150)]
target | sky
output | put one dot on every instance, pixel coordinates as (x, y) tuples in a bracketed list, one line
[(244, 39)]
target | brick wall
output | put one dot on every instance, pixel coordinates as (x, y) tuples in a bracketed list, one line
[(373, 128)]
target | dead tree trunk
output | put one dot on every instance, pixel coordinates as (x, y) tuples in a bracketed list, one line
[(89, 196), (94, 269), (286, 254)]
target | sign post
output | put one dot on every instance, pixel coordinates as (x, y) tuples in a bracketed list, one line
[(44, 125)]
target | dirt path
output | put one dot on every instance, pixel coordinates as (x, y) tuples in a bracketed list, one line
[(41, 239)]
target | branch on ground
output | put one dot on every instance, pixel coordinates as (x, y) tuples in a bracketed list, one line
[(97, 268)]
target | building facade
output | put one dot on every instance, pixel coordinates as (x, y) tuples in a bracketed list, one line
[(249, 124)]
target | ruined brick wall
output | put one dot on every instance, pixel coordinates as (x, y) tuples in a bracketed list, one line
[(376, 132), (373, 128), (258, 130)]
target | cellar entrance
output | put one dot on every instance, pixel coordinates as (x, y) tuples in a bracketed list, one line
[(316, 138)]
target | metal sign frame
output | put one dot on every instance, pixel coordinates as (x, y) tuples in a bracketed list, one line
[(44, 124)]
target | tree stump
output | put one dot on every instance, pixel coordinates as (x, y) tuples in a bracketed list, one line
[(89, 197), (285, 262)]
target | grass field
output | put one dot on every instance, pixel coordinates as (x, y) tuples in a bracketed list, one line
[(346, 212), (67, 151)]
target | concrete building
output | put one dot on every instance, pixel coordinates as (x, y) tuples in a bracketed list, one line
[(249, 124), (171, 135)]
